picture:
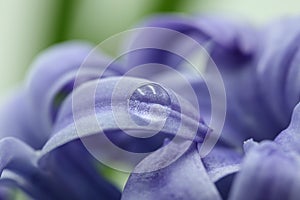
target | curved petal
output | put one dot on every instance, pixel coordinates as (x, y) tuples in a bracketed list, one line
[(15, 120), (293, 82), (224, 185), (233, 51), (13, 153), (289, 139), (267, 173), (57, 175), (52, 77), (186, 178), (116, 106), (5, 193), (246, 115), (18, 167), (80, 176), (236, 35), (275, 61), (235, 44), (220, 162)]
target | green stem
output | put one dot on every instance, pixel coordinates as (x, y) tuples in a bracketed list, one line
[(63, 20), (167, 5)]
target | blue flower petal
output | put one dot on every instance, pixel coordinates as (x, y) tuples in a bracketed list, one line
[(233, 51), (276, 71), (99, 110), (53, 75), (186, 178), (5, 193), (80, 176), (222, 161), (267, 173), (289, 139), (13, 153), (228, 49), (57, 175), (247, 113), (15, 120)]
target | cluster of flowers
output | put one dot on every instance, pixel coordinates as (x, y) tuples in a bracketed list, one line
[(256, 157)]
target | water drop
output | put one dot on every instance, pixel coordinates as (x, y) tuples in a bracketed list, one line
[(149, 104)]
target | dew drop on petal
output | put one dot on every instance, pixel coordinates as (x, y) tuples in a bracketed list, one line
[(149, 103)]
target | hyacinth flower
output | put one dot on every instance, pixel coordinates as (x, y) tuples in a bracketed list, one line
[(42, 153)]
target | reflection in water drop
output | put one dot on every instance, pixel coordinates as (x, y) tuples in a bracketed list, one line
[(149, 104)]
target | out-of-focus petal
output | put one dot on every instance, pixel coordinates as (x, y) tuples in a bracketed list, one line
[(292, 95), (276, 71), (267, 173), (13, 153), (289, 139), (15, 120), (79, 176), (228, 49), (57, 175), (5, 193), (18, 165), (53, 75), (247, 113), (236, 35), (186, 178)]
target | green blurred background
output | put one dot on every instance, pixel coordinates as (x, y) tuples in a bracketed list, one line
[(29, 26)]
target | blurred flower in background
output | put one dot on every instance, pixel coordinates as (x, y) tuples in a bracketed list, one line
[(31, 26)]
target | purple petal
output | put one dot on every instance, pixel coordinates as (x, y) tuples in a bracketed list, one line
[(94, 104), (289, 139), (247, 114), (276, 62), (57, 175), (222, 165), (228, 49), (233, 52), (267, 173), (52, 78), (15, 120), (5, 193), (13, 152), (293, 82), (246, 117), (235, 34), (221, 161), (80, 176), (18, 167), (186, 178)]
